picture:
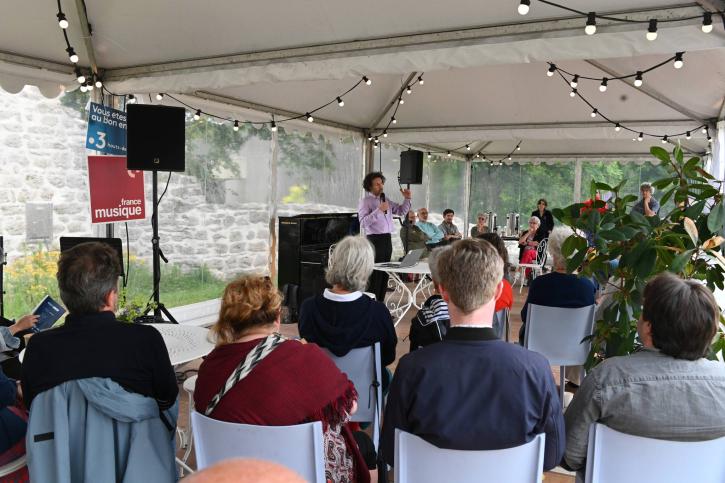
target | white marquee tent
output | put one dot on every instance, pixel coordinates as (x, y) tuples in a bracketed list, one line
[(484, 67)]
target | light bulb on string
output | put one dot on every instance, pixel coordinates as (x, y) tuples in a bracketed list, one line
[(478, 155), (640, 136), (664, 139), (524, 7), (131, 99), (704, 130), (593, 113), (678, 63), (448, 154), (688, 135), (197, 115), (408, 90), (429, 156), (72, 56), (62, 21), (591, 26), (367, 81), (79, 76), (518, 148), (572, 93), (393, 120), (575, 81), (603, 85), (638, 79), (84, 88), (98, 82), (273, 126), (552, 70), (340, 102), (617, 127), (468, 148), (89, 86), (236, 126), (400, 100), (309, 117), (707, 22), (709, 139), (509, 157), (652, 30), (420, 80), (159, 96), (385, 134)]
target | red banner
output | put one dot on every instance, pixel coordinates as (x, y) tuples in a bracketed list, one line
[(116, 193)]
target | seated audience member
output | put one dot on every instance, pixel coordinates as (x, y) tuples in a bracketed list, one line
[(529, 241), (431, 322), (412, 236), (283, 382), (480, 227), (473, 391), (13, 423), (12, 342), (343, 317), (506, 300), (435, 235), (544, 216), (111, 379), (647, 206), (668, 390), (450, 231), (558, 288), (244, 470)]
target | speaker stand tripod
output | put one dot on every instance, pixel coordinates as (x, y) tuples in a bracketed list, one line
[(159, 308)]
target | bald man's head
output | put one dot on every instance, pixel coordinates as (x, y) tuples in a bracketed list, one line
[(245, 471)]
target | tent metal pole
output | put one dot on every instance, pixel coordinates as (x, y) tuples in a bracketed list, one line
[(391, 103), (537, 126), (467, 196)]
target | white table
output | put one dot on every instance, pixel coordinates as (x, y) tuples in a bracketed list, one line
[(184, 343), (401, 299)]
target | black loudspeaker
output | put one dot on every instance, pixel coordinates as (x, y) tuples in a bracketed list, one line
[(155, 138), (411, 167)]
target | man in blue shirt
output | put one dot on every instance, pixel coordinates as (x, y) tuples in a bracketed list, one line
[(473, 391), (434, 233)]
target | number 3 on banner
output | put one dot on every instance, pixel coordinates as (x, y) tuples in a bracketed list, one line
[(101, 142)]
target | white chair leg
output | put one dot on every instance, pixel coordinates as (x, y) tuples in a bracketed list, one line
[(562, 383)]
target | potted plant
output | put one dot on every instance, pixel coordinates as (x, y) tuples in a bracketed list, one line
[(623, 249)]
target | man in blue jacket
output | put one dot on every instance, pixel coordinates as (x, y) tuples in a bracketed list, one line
[(473, 391)]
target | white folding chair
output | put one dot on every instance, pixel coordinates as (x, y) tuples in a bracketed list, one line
[(299, 447), (558, 334), (536, 268), (501, 324), (417, 461), (614, 457), (187, 437), (362, 367)]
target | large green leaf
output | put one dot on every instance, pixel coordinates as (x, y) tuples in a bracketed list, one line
[(716, 218), (666, 196), (645, 263), (615, 235), (660, 154), (680, 261)]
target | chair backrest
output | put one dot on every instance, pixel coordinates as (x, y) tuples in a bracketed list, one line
[(500, 324), (541, 252), (362, 367), (557, 333), (299, 447), (622, 458), (417, 461)]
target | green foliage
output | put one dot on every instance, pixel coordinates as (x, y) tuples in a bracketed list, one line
[(77, 101), (684, 239)]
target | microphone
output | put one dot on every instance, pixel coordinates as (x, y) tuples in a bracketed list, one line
[(382, 200)]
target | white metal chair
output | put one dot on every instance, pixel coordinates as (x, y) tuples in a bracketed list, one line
[(187, 437), (536, 268), (614, 457), (299, 447), (363, 368), (501, 324), (417, 461), (557, 333)]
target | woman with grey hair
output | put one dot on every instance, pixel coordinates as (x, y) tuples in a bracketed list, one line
[(343, 317), (558, 288)]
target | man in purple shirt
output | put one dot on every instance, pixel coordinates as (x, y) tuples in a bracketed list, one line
[(375, 213)]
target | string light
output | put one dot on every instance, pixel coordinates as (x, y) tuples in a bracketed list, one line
[(640, 136), (707, 22), (72, 56), (468, 147), (572, 93), (340, 102), (408, 90), (709, 139), (385, 134), (367, 81), (591, 26), (688, 135), (236, 125), (524, 7), (79, 76), (429, 156), (273, 126), (638, 79), (594, 113), (652, 30), (89, 86), (420, 80), (131, 99), (159, 96), (617, 127), (393, 120), (62, 21), (518, 147), (197, 115), (704, 130), (552, 69), (400, 100), (309, 117), (603, 85), (575, 81), (84, 88), (98, 81), (678, 60), (664, 139), (448, 154)]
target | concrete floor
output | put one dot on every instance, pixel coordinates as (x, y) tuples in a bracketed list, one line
[(403, 347)]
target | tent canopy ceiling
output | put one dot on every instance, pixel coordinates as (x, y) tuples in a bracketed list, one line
[(484, 65)]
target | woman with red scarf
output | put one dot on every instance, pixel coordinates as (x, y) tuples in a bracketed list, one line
[(289, 383)]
